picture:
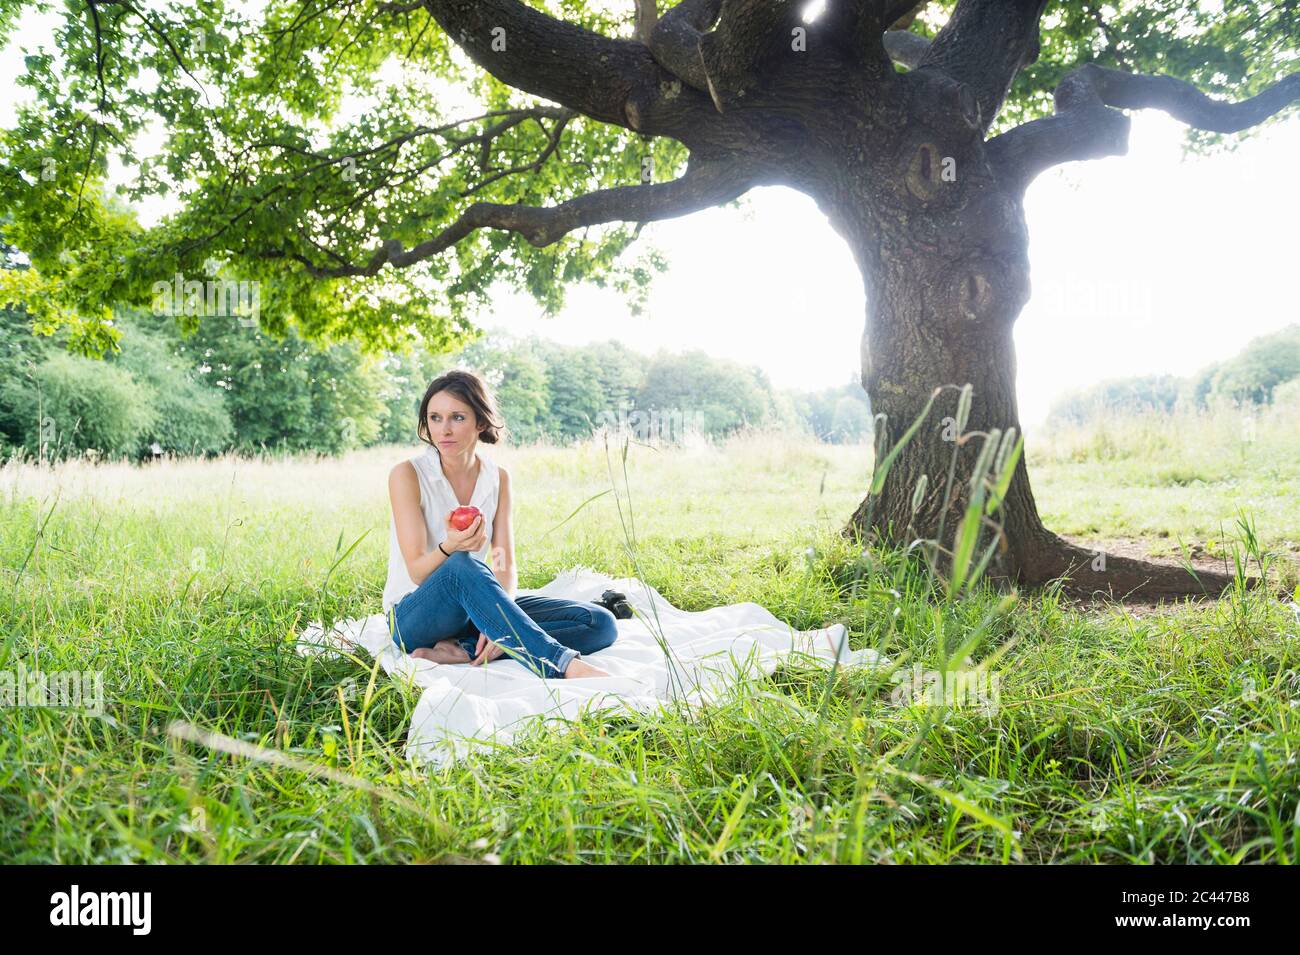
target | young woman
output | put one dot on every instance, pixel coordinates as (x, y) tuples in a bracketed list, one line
[(443, 602)]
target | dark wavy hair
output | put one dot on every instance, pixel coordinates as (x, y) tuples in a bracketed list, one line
[(472, 390)]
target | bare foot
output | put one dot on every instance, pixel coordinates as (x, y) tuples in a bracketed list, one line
[(579, 668), (445, 651)]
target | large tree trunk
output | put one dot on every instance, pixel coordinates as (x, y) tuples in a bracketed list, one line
[(944, 289)]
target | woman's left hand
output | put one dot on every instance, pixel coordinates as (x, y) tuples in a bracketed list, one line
[(486, 651)]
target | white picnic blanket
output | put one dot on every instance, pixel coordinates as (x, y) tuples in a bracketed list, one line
[(661, 654)]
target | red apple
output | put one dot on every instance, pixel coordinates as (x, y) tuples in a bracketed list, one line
[(463, 517)]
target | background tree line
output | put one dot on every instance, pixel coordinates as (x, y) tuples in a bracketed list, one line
[(1266, 371), (224, 387)]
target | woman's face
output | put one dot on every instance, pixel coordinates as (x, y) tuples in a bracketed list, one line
[(453, 426)]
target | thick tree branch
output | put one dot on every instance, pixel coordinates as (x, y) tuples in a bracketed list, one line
[(614, 81), (983, 46), (748, 32), (1094, 132), (726, 47), (647, 15), (1091, 84), (677, 43), (1088, 126), (703, 186), (859, 27), (905, 47), (729, 59)]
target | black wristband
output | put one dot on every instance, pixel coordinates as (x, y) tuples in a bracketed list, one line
[(444, 553)]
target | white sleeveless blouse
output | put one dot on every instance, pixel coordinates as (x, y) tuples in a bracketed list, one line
[(436, 499)]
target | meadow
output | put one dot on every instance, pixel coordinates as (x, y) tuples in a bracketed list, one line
[(1118, 737)]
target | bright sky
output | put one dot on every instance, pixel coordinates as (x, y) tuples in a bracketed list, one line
[(1142, 264)]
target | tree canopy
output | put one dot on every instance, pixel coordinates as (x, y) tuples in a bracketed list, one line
[(376, 167)]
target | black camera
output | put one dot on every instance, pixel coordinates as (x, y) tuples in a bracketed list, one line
[(616, 603)]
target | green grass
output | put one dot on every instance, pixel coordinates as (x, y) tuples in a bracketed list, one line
[(1175, 476), (1166, 738)]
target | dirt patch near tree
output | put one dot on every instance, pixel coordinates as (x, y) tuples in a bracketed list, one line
[(1284, 573)]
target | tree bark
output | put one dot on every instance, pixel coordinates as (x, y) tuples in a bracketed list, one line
[(944, 259)]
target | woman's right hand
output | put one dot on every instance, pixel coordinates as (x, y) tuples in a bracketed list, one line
[(472, 538)]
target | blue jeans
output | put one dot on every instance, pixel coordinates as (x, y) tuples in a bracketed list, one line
[(463, 598)]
